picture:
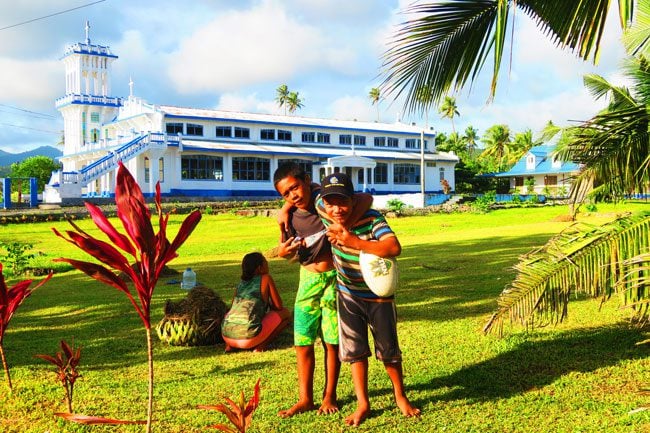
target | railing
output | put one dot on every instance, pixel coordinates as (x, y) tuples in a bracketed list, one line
[(89, 99), (123, 153)]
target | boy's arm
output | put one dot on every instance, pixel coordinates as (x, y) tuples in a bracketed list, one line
[(284, 216), (361, 203), (387, 246)]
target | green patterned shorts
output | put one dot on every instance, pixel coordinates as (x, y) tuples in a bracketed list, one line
[(314, 312)]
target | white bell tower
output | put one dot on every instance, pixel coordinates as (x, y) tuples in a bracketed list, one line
[(87, 104)]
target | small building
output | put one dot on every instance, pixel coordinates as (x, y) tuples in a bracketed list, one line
[(195, 152), (540, 170)]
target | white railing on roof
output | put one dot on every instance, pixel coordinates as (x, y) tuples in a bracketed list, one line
[(88, 99)]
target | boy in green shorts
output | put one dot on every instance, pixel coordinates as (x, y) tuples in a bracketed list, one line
[(315, 306)]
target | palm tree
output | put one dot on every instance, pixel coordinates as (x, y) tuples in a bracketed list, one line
[(470, 137), (449, 109), (447, 43), (521, 144), (614, 145), (497, 144), (294, 102), (282, 93), (597, 261), (425, 100), (375, 97), (614, 150)]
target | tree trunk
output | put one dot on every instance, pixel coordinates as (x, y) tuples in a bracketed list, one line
[(6, 366), (150, 358)]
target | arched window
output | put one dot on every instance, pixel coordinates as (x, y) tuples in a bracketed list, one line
[(146, 170), (161, 169)]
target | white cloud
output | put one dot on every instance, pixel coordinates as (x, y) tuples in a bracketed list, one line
[(31, 83), (248, 103), (353, 108), (241, 48)]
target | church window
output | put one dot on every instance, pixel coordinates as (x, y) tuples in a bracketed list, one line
[(251, 169)]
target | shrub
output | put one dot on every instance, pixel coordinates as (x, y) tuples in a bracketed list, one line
[(395, 205)]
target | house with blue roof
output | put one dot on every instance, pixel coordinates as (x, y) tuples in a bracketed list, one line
[(550, 175)]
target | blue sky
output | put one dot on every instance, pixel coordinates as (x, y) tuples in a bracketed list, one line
[(232, 55)]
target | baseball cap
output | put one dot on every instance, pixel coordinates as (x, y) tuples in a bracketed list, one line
[(337, 184)]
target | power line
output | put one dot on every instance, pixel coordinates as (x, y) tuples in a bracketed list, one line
[(51, 15), (33, 129), (26, 111)]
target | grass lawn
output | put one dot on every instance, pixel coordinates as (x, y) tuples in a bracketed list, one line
[(580, 376)]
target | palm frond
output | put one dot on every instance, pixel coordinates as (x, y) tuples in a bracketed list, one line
[(581, 259)]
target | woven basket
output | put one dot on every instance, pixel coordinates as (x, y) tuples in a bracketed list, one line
[(193, 321)]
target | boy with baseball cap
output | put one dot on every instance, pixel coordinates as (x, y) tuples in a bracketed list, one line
[(358, 307)]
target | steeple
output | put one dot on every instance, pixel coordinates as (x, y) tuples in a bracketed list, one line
[(87, 32), (87, 103)]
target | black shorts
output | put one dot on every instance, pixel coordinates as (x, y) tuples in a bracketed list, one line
[(356, 315)]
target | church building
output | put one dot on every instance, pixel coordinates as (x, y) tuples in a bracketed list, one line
[(195, 152)]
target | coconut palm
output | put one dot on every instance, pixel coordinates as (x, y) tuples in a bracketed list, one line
[(446, 43), (595, 260), (521, 144), (294, 102), (375, 97), (425, 100), (282, 93), (497, 145), (614, 145), (471, 138), (613, 148), (449, 109)]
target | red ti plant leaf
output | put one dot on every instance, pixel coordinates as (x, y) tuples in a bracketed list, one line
[(92, 420), (10, 300), (240, 415), (66, 363), (150, 251)]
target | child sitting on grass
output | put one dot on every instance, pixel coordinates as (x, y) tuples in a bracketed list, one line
[(256, 316)]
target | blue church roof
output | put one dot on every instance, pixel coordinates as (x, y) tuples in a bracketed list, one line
[(543, 163)]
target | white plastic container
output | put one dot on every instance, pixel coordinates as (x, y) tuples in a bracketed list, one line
[(189, 279)]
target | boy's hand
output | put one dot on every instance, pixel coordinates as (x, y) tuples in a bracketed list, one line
[(289, 248), (339, 235)]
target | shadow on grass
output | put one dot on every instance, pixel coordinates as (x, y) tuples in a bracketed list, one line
[(449, 281), (535, 364)]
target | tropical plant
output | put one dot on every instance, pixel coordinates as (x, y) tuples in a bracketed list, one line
[(497, 145), (375, 98), (395, 205), (282, 93), (613, 147), (446, 43), (294, 102), (583, 258), (449, 110), (66, 363), (10, 300), (471, 138), (150, 251), (521, 144), (239, 414), (17, 256), (425, 100), (40, 167)]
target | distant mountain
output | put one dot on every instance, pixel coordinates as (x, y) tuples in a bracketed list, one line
[(7, 158)]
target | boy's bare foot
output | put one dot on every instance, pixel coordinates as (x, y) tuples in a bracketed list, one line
[(299, 407), (328, 407), (407, 408), (358, 416)]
